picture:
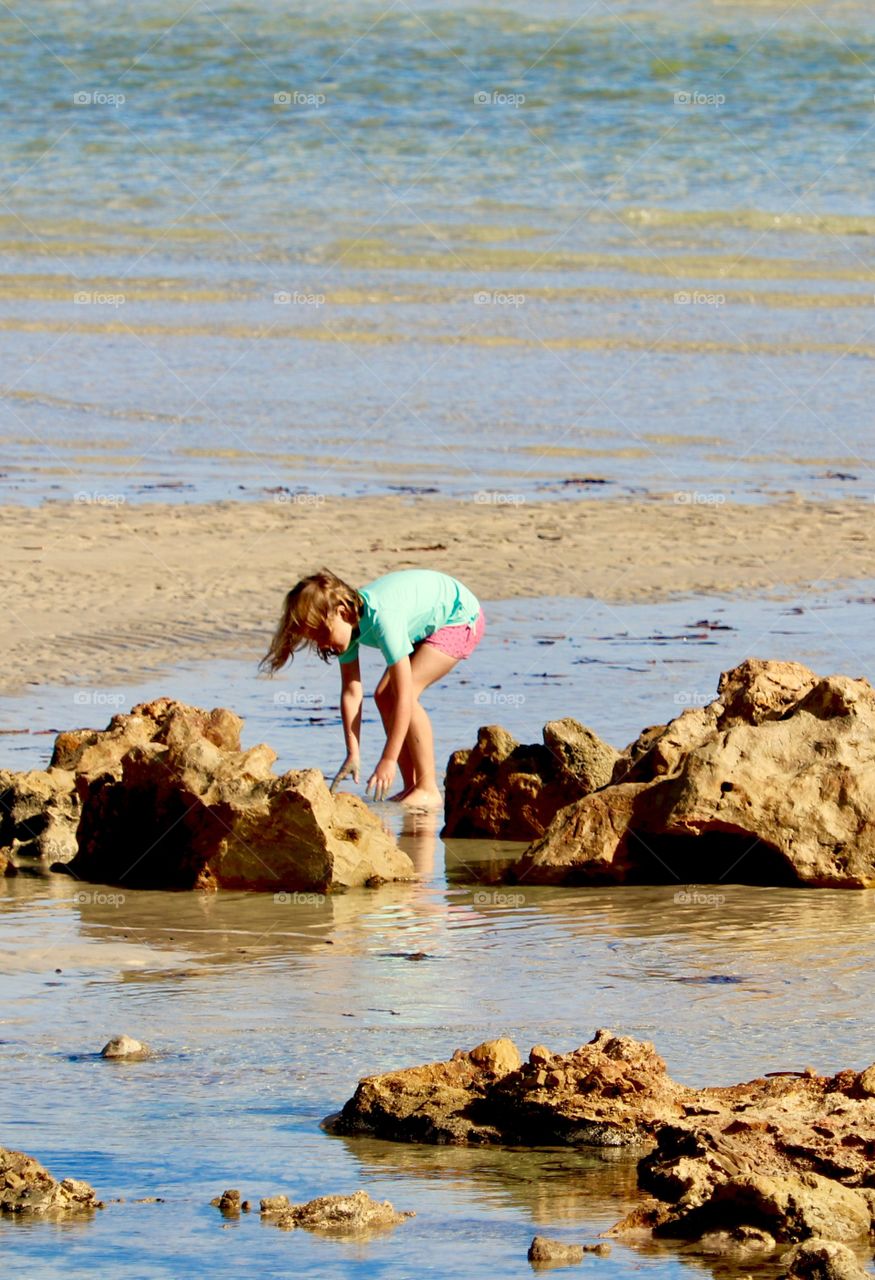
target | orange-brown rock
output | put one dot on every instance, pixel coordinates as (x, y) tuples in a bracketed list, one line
[(27, 1187), (511, 791), (189, 809), (745, 1168), (771, 783), (611, 1092), (357, 1215), (164, 797)]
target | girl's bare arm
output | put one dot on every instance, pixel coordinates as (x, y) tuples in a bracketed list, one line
[(351, 715), (351, 703)]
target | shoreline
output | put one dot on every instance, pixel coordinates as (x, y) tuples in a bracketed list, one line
[(102, 593)]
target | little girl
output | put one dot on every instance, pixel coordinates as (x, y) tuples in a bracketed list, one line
[(422, 622)]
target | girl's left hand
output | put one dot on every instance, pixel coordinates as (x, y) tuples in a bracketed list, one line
[(382, 778)]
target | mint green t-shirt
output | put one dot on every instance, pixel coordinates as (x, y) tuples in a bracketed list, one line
[(404, 607)]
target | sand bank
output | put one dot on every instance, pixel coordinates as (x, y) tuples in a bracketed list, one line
[(97, 593)]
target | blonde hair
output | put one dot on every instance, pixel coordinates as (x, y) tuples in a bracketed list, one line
[(308, 604)]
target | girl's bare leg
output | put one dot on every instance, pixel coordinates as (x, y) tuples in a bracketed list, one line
[(427, 665), (420, 740), (386, 705)]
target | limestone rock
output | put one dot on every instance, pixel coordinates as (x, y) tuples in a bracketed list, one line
[(179, 819), (26, 1187), (822, 1260), (228, 1203), (170, 801), (773, 783), (164, 797), (741, 1169), (39, 811), (40, 808), (124, 1047), (511, 791), (554, 1253), (611, 1092), (353, 1215)]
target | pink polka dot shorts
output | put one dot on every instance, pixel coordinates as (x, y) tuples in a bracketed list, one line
[(460, 640)]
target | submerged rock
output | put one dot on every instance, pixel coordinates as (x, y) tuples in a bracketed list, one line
[(545, 1252), (164, 797), (228, 1203), (511, 791), (26, 1187), (773, 782), (355, 1215), (124, 1047)]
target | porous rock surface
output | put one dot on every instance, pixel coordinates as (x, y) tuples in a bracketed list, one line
[(512, 791), (610, 1092), (357, 1214), (751, 1166), (26, 1187), (772, 783), (164, 797), (39, 812)]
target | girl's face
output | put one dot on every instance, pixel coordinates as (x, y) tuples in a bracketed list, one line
[(334, 635)]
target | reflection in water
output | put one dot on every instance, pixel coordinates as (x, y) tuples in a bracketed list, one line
[(546, 1185), (418, 838)]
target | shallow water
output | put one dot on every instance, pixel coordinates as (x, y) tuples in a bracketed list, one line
[(265, 1013), (599, 272)]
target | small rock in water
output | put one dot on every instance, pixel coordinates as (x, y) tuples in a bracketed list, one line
[(356, 1215), (124, 1047), (228, 1202), (554, 1253)]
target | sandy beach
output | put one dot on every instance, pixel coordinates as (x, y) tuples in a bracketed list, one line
[(100, 593)]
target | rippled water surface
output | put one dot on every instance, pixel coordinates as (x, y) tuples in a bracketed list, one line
[(453, 246)]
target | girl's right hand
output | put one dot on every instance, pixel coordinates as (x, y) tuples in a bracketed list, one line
[(349, 766)]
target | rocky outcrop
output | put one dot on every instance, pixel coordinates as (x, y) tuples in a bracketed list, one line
[(611, 1092), (40, 808), (747, 1168), (189, 809), (771, 783), (511, 791), (230, 1205), (26, 1187), (353, 1215), (165, 797)]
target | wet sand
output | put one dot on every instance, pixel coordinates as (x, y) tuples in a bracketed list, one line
[(99, 593)]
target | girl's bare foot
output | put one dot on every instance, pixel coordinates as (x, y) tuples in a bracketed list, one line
[(399, 795), (422, 798)]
